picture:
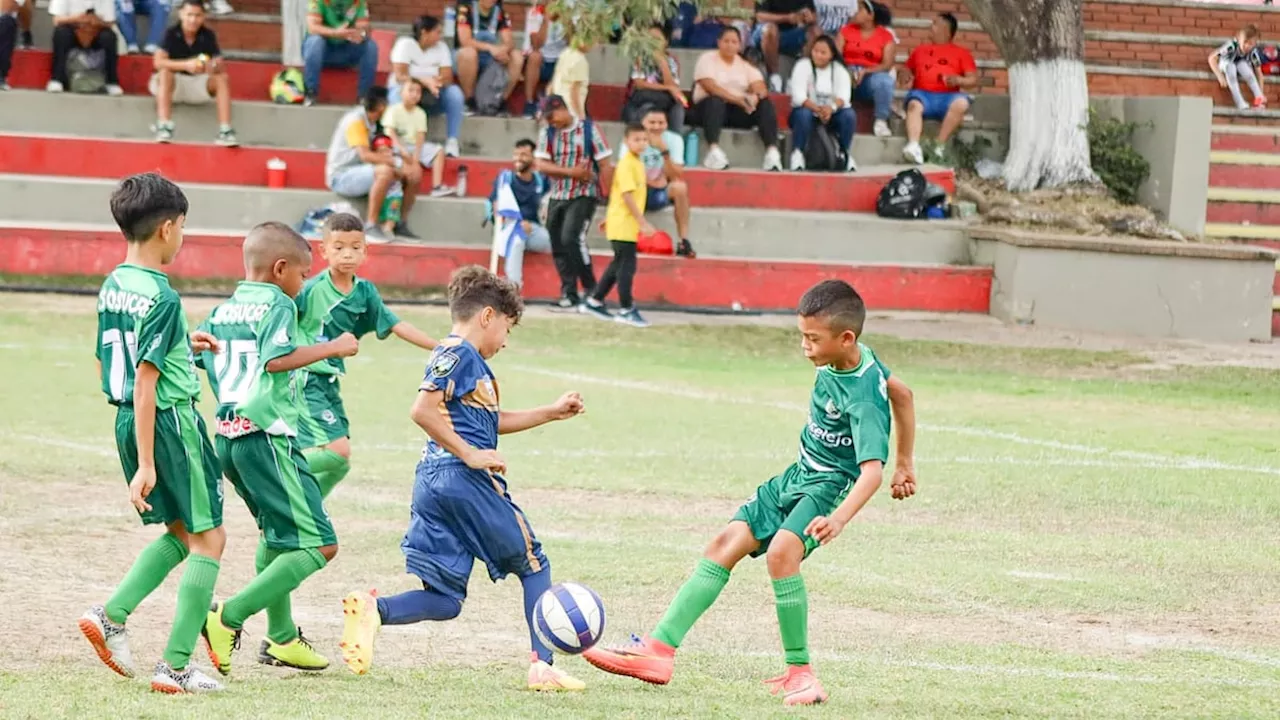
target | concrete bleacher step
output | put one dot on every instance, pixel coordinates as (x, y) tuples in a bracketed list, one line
[(661, 281), (1245, 138), (1250, 207), (756, 234)]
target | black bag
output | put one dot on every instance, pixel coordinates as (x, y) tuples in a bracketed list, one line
[(903, 197), (822, 152)]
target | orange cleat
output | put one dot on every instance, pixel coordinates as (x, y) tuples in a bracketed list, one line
[(798, 686), (646, 659)]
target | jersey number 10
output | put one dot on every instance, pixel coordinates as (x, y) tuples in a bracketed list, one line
[(235, 367)]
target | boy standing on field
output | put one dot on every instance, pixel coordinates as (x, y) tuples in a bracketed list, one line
[(259, 411), (145, 361), (843, 450), (624, 222), (461, 510), (334, 302)]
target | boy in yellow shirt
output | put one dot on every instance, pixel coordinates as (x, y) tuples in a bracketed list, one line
[(624, 221), (406, 123), (572, 77)]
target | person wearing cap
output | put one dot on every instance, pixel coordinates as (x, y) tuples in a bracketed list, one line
[(426, 57)]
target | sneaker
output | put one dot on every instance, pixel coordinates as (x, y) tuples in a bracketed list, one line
[(297, 654), (361, 622), (772, 159), (132, 49), (1260, 101), (150, 49), (645, 659), (798, 686), (797, 160), (115, 90), (181, 682), (53, 86), (219, 640), (469, 108), (881, 128), (851, 164), (374, 235), (531, 111), (309, 100), (546, 678), (913, 154), (715, 159), (443, 191), (26, 42), (631, 316), (163, 131), (595, 308), (109, 640), (221, 7), (566, 303), (451, 148), (684, 249), (4, 85), (775, 82), (403, 231), (227, 138)]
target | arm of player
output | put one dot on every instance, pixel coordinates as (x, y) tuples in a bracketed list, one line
[(426, 414), (629, 198), (409, 333), (513, 421), (826, 529), (345, 345), (902, 402), (144, 428)]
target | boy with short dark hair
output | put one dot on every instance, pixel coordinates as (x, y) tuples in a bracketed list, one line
[(461, 510), (144, 358), (253, 373), (843, 449), (624, 222)]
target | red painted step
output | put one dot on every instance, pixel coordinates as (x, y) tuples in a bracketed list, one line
[(206, 163), (1275, 323), (1239, 213), (1244, 176), (1245, 143), (250, 81), (661, 281)]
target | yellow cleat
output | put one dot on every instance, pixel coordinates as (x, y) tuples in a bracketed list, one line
[(297, 654), (361, 623), (546, 678), (219, 639)]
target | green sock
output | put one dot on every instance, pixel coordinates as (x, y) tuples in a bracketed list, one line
[(280, 627), (153, 565), (329, 468), (793, 618), (694, 597), (195, 592), (281, 577)]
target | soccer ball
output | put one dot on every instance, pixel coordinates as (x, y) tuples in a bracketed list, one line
[(287, 87), (569, 618)]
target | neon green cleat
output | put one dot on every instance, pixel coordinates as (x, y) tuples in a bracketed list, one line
[(360, 627), (297, 654), (219, 639)]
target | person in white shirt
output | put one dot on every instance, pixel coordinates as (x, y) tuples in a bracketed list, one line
[(820, 93), (426, 57), (84, 24)]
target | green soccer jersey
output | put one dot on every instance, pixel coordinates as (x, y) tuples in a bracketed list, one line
[(325, 312), (258, 324), (140, 319), (848, 419)]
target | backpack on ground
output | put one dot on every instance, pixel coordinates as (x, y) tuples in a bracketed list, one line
[(490, 88), (86, 71), (822, 152), (903, 197)]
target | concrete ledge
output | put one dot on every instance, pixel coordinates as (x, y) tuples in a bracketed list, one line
[(1245, 195), (1130, 287), (1249, 232), (1224, 157)]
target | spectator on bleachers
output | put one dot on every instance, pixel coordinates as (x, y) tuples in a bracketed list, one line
[(406, 122), (655, 83), (821, 92), (572, 77), (664, 174), (782, 28), (941, 71), (545, 39), (529, 187), (85, 25), (425, 57), (353, 169), (484, 37), (157, 13), (868, 48), (9, 25), (728, 91), (1231, 62), (571, 158), (338, 37), (694, 31), (293, 31), (189, 71)]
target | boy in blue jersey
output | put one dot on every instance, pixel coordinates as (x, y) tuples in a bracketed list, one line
[(461, 510)]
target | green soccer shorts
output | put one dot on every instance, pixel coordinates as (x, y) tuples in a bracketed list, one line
[(188, 477), (272, 477), (791, 501), (326, 418)]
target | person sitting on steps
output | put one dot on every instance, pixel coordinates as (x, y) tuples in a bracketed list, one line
[(190, 71), (941, 71)]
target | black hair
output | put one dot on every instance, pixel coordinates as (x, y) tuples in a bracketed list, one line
[(951, 21), (193, 3), (882, 14), (425, 23), (729, 29), (142, 203), (634, 127), (376, 97), (342, 222), (525, 143), (269, 242), (838, 303), (473, 288), (831, 45), (649, 109)]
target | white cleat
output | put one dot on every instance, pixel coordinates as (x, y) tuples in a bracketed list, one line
[(190, 681), (109, 640)]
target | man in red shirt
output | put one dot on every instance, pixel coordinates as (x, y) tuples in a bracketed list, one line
[(941, 72)]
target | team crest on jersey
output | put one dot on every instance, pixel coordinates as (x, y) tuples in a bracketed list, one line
[(281, 337), (329, 417), (833, 413), (444, 364)]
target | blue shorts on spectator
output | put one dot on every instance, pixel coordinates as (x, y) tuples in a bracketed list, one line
[(936, 105), (791, 41)]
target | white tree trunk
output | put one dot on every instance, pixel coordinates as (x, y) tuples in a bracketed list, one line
[(1049, 108)]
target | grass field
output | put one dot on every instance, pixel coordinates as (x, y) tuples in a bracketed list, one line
[(1092, 537)]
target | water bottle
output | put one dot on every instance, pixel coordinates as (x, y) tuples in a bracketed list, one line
[(462, 181), (391, 204), (450, 21), (691, 149)]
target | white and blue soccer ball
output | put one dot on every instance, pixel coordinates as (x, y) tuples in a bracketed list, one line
[(569, 618)]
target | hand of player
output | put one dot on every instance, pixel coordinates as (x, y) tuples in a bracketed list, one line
[(824, 113), (345, 345), (569, 405), (143, 482), (502, 53), (647, 228), (824, 529), (432, 84), (749, 103), (903, 485), (354, 35), (194, 66), (1222, 81), (678, 94), (486, 460), (582, 171), (202, 341)]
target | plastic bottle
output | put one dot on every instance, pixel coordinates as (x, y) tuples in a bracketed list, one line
[(462, 181), (450, 21), (691, 150), (391, 204)]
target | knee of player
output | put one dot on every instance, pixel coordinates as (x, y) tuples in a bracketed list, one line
[(329, 552), (384, 172), (769, 30), (785, 554), (209, 543), (677, 188)]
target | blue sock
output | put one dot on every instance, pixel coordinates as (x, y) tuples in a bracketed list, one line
[(534, 586), (417, 605)]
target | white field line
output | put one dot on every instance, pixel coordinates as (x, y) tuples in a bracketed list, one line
[(64, 444)]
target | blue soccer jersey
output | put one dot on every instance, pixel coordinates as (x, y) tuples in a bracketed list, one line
[(470, 394)]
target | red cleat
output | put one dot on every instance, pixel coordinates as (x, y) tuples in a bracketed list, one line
[(649, 660), (798, 686), (1260, 101)]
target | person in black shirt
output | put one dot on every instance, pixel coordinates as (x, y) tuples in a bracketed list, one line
[(190, 71), (782, 26)]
